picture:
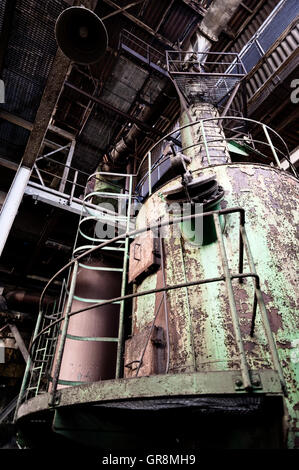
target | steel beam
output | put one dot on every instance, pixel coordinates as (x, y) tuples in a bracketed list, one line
[(142, 25), (50, 96), (19, 341), (164, 15), (153, 386), (105, 105), (62, 201), (16, 120), (8, 164)]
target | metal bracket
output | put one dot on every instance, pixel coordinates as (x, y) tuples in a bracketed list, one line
[(56, 400), (255, 381)]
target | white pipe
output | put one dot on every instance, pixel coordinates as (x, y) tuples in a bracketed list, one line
[(67, 167), (12, 203)]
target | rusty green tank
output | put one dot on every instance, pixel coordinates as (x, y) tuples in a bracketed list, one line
[(197, 322)]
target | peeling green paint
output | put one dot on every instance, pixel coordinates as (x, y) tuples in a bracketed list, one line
[(269, 197)]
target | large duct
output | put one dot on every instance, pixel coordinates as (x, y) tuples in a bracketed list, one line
[(216, 20), (126, 144), (24, 301)]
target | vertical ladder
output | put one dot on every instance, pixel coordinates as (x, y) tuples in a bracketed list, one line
[(120, 247)]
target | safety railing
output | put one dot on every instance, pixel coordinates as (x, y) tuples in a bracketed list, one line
[(48, 325), (44, 346), (208, 76), (242, 136), (95, 210), (247, 140), (202, 63), (63, 178)]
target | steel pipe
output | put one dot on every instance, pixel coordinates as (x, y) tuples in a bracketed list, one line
[(12, 203)]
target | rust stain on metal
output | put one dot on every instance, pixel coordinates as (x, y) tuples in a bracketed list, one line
[(273, 315), (269, 198), (144, 255)]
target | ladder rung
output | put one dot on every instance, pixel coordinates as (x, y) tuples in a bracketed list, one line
[(94, 338), (103, 240), (95, 301), (100, 268), (113, 248)]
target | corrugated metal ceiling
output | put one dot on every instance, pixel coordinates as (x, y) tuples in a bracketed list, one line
[(30, 53), (121, 81)]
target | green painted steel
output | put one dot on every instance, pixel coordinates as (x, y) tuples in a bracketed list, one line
[(207, 232), (164, 385), (269, 198), (212, 348), (92, 338), (104, 188)]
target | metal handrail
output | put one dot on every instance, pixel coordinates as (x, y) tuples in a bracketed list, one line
[(268, 131), (128, 39), (123, 270), (40, 330), (184, 56), (201, 122), (227, 277)]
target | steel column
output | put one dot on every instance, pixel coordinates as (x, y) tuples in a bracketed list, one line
[(12, 203), (67, 167)]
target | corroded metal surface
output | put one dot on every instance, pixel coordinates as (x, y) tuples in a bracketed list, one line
[(201, 329), (196, 135), (203, 344), (145, 387), (143, 255)]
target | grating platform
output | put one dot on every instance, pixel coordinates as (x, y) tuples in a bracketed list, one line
[(208, 77)]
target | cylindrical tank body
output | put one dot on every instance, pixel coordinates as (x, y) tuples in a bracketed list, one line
[(201, 333), (87, 358), (193, 136)]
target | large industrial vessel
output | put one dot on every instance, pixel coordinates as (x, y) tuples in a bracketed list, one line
[(177, 311)]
